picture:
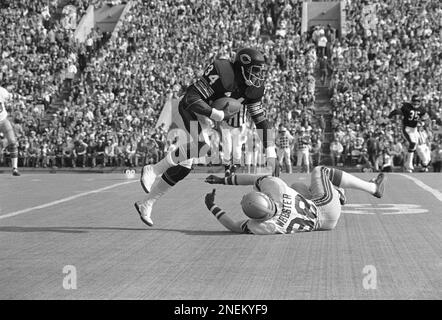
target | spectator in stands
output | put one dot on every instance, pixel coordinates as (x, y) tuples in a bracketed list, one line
[(100, 158), (401, 50), (79, 153), (336, 150), (152, 151), (316, 150), (110, 156), (397, 152), (133, 64)]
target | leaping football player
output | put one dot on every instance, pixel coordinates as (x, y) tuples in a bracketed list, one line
[(412, 113), (7, 129), (275, 208), (242, 79)]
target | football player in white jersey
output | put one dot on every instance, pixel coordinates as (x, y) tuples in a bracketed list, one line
[(275, 208), (7, 129)]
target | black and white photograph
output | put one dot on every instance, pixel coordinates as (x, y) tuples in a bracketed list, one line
[(221, 156)]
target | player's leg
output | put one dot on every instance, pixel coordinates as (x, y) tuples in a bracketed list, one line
[(410, 135), (299, 159), (248, 160), (188, 149), (6, 128), (324, 195), (288, 161), (280, 154), (226, 134), (424, 155), (306, 156), (161, 186), (345, 180), (236, 149)]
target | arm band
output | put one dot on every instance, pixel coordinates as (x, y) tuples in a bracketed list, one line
[(217, 115), (231, 180)]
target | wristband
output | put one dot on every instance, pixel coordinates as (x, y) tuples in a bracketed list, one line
[(217, 115), (270, 152), (217, 212)]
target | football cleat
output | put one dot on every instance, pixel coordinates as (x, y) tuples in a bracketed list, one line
[(144, 210), (380, 185), (15, 173), (227, 171), (148, 177)]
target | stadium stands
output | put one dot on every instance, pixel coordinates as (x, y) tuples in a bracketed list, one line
[(116, 88)]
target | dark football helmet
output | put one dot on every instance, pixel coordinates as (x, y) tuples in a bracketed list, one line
[(251, 64), (415, 100)]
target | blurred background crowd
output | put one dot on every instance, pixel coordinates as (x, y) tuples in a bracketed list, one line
[(374, 70), (110, 90)]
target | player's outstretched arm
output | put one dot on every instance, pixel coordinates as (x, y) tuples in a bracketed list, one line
[(221, 216), (236, 179)]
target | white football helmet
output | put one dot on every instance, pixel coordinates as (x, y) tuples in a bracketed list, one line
[(257, 205)]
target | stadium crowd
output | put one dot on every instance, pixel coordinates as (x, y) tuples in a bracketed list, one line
[(110, 114), (381, 62), (118, 87)]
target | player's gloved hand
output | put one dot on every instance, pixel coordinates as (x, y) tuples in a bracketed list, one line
[(209, 200), (274, 165), (212, 179)]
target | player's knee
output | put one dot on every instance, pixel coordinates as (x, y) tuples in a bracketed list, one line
[(303, 189), (175, 174)]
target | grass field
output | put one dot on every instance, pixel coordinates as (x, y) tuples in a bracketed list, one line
[(57, 226)]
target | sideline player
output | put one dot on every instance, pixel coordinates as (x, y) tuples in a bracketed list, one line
[(243, 80), (303, 146), (411, 114), (7, 129), (284, 141), (275, 208)]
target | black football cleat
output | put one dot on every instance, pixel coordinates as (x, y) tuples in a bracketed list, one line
[(227, 171), (380, 185)]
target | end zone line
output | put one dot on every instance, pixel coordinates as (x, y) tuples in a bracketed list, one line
[(53, 203), (434, 192)]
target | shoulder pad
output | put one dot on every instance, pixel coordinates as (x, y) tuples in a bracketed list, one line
[(254, 93), (226, 73)]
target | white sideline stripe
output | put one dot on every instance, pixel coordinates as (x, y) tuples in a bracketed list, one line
[(434, 192), (53, 203)]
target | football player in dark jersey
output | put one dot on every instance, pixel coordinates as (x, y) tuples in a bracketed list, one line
[(412, 113), (243, 80)]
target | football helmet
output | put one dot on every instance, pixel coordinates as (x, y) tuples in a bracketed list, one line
[(415, 100), (258, 206), (251, 64)]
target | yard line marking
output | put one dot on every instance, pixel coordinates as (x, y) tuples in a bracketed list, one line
[(53, 203), (434, 192)]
